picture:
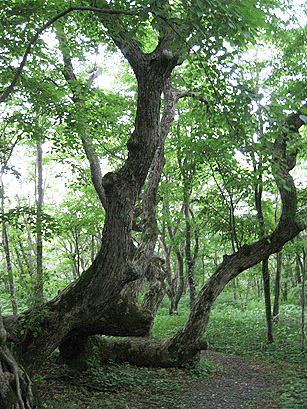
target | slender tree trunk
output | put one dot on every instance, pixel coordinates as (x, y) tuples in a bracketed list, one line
[(76, 238), (298, 265), (303, 330), (285, 292), (277, 285), (267, 298), (175, 280), (39, 281), (19, 265), (236, 290), (247, 293), (190, 260), (259, 287), (180, 282), (6, 247), (27, 258), (265, 263)]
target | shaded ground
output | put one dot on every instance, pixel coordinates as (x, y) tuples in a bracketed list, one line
[(243, 382), (226, 382)]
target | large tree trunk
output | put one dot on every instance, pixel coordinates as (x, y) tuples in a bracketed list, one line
[(185, 345), (88, 305)]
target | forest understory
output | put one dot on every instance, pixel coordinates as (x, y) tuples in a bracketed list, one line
[(239, 370)]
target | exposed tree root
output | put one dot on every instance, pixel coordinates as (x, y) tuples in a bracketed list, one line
[(15, 385)]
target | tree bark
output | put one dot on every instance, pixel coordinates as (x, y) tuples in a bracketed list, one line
[(277, 286), (7, 252), (87, 306), (39, 282), (267, 298), (15, 385)]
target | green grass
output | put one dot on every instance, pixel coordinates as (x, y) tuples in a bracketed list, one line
[(234, 331)]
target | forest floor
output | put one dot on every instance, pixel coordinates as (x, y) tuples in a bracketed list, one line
[(243, 382), (222, 381)]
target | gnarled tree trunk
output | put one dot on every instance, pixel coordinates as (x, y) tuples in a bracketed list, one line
[(92, 304), (185, 345), (88, 305)]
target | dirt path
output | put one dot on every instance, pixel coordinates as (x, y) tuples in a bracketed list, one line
[(242, 383)]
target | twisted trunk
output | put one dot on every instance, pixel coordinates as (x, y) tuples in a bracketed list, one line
[(186, 344), (87, 306)]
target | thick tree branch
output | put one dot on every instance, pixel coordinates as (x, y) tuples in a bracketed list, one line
[(184, 346)]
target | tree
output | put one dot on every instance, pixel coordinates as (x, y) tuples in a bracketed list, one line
[(277, 285), (7, 143), (93, 304), (39, 284)]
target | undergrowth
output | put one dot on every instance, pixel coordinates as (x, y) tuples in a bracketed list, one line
[(231, 330), (123, 386)]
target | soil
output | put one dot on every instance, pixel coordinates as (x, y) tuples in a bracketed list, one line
[(237, 382), (243, 382)]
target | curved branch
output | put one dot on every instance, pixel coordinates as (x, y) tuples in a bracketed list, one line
[(77, 97), (185, 345), (49, 23)]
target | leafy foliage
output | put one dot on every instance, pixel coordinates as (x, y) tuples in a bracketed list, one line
[(243, 67)]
